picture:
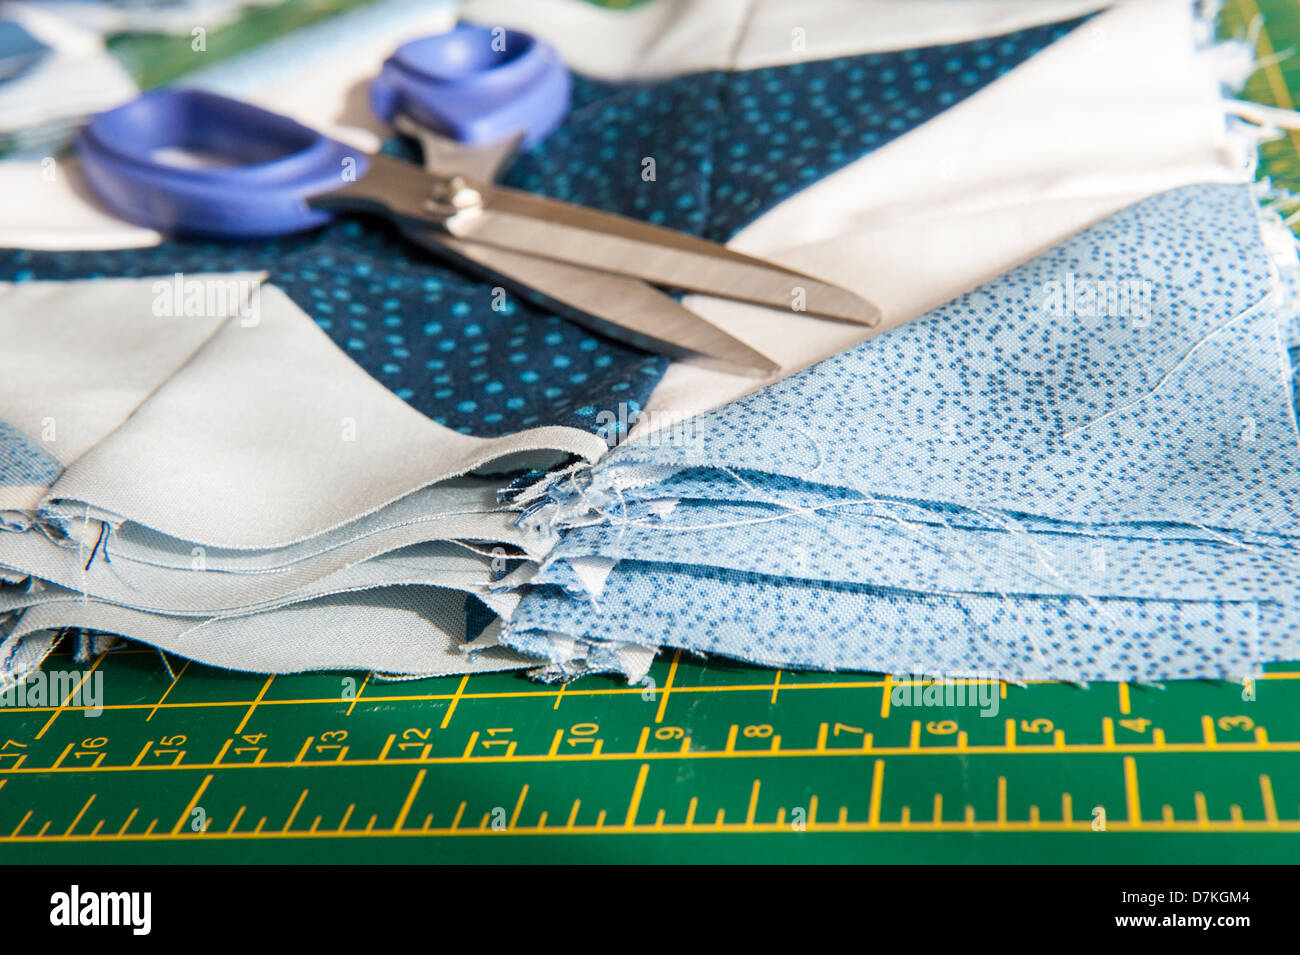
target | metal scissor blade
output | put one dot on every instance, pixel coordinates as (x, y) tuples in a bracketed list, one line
[(623, 308), (550, 229), (559, 230)]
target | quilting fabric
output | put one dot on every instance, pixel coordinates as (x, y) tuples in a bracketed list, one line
[(1037, 480), (1084, 469), (727, 147)]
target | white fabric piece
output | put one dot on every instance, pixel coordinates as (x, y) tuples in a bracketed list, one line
[(1125, 108), (270, 435), (56, 334), (461, 510), (399, 630), (685, 36), (193, 592)]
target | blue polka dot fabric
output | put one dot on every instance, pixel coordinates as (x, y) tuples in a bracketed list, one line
[(722, 149), (1086, 469)]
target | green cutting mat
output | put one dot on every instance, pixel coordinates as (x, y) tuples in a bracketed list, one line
[(715, 763)]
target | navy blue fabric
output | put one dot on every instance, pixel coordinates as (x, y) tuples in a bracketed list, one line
[(726, 148)]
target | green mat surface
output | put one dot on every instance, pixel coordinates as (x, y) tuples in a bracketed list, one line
[(717, 762)]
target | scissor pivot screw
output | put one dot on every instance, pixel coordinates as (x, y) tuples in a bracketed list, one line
[(455, 197)]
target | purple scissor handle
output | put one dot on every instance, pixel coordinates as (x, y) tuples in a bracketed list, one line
[(475, 85), (195, 163)]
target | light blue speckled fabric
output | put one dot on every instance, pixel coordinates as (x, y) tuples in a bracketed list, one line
[(1088, 468)]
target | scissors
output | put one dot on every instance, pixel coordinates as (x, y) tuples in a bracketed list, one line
[(191, 162)]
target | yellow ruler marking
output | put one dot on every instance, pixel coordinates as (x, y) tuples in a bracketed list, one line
[(176, 679), (357, 699), (598, 754), (637, 791), (189, 806), (1237, 823), (668, 687), (1266, 793), (519, 806), (256, 700), (877, 789), (68, 831), (288, 823), (455, 700), (125, 826), (68, 699), (1132, 800), (410, 799)]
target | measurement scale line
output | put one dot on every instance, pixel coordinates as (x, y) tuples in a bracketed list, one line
[(455, 700), (189, 806), (635, 803), (753, 803), (71, 693), (668, 686), (356, 699), (967, 824), (302, 798), (680, 753), (1132, 800), (256, 700), (176, 679), (68, 831), (1266, 794), (410, 800), (877, 787), (522, 694), (126, 825)]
